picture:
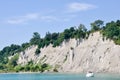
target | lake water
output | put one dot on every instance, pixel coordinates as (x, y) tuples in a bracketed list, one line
[(58, 76)]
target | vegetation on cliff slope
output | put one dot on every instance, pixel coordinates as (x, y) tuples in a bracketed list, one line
[(111, 31)]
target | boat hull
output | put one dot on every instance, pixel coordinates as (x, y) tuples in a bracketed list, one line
[(89, 75)]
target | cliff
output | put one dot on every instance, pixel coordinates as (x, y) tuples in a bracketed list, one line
[(95, 54)]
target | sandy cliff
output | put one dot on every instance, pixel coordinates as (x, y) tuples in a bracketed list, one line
[(78, 55)]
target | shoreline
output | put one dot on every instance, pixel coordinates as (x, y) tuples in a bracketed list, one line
[(56, 73)]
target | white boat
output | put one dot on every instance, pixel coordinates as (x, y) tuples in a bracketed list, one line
[(90, 74)]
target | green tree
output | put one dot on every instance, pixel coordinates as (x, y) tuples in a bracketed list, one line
[(97, 25), (24, 46), (13, 61), (36, 39), (72, 30), (37, 51), (112, 31), (82, 27), (55, 36), (67, 34), (48, 36), (81, 31)]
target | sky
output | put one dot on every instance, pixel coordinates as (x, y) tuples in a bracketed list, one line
[(20, 18)]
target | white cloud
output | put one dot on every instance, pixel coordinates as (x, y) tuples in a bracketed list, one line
[(15, 21), (23, 19), (75, 7), (48, 18), (30, 17)]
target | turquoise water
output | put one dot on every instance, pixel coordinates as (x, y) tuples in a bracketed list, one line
[(57, 76)]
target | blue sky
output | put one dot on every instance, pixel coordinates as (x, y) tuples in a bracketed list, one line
[(20, 18)]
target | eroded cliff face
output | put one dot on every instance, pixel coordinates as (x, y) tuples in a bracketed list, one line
[(92, 54)]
